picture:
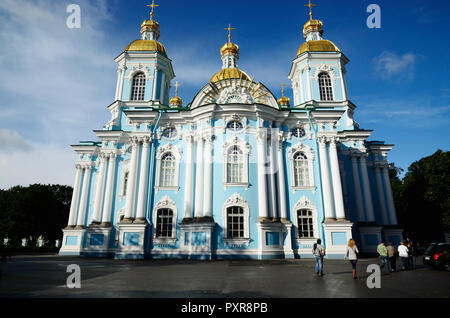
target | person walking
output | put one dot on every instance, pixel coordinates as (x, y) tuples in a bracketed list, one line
[(403, 253), (382, 251), (412, 255), (318, 252), (392, 256), (352, 255)]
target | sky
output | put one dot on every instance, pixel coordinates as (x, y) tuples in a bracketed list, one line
[(56, 82)]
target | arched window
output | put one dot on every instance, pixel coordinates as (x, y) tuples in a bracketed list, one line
[(326, 90), (168, 170), (305, 223), (164, 225), (301, 172), (138, 87), (235, 222), (235, 165), (125, 183)]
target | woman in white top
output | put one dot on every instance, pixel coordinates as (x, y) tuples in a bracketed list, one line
[(352, 256)]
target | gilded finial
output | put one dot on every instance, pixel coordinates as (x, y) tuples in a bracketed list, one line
[(282, 88), (310, 5), (176, 88), (229, 32), (153, 5)]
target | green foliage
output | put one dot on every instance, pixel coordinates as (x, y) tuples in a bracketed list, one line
[(28, 212), (423, 197)]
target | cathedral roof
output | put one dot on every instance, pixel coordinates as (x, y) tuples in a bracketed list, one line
[(146, 45), (229, 73), (317, 46)]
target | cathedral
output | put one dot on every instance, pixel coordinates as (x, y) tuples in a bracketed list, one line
[(235, 173)]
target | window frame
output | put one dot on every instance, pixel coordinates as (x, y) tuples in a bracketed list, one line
[(165, 203), (305, 204), (325, 87), (160, 153), (307, 151), (236, 200), (245, 149), (142, 86)]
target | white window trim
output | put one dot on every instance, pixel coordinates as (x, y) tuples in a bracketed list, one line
[(165, 203), (299, 147), (245, 148), (306, 204), (332, 81), (125, 169), (159, 155), (236, 200)]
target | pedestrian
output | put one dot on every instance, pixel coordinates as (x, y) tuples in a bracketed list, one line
[(392, 255), (318, 252), (381, 249), (403, 252), (352, 255), (412, 255)]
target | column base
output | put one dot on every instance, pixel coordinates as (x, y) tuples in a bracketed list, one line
[(127, 221), (271, 239), (187, 221), (370, 236), (204, 219), (337, 234), (140, 221), (196, 239), (73, 241)]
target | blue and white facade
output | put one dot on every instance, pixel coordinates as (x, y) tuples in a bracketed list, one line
[(235, 173)]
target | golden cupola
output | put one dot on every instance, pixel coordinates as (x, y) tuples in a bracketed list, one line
[(176, 101), (312, 32), (230, 56), (283, 100), (149, 36)]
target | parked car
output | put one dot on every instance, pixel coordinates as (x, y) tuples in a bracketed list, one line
[(437, 255)]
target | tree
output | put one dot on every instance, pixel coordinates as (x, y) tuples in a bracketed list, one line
[(423, 198), (33, 211)]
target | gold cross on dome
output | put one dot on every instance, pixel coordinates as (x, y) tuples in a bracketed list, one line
[(229, 32), (282, 88), (310, 5), (153, 5), (176, 88)]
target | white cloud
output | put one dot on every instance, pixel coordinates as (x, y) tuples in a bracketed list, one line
[(40, 163), (389, 64), (11, 142)]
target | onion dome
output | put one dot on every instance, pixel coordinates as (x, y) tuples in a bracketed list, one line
[(229, 48), (149, 36), (176, 100), (312, 32), (283, 100), (229, 73)]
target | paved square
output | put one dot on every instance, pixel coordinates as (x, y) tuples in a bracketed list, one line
[(45, 276)]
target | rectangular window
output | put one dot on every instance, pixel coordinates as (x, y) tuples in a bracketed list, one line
[(305, 224), (164, 223), (235, 222)]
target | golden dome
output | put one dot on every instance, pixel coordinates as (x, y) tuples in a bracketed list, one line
[(318, 46), (146, 45), (150, 24), (176, 101), (313, 25), (229, 73), (229, 48), (284, 101)]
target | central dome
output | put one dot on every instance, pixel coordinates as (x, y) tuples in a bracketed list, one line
[(146, 45), (317, 46), (229, 73)]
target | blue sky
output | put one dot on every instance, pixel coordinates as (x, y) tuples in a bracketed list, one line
[(57, 82)]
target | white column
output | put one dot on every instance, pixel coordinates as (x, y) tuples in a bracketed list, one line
[(308, 82), (281, 180), (326, 187), (119, 76), (75, 196), (84, 194), (143, 180), (381, 200), (121, 80), (207, 190), (390, 198), (106, 218), (337, 183), (155, 83), (273, 213), (302, 90), (261, 138), (344, 95), (131, 187), (367, 194), (189, 183), (199, 178), (99, 187), (357, 186), (163, 88)]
